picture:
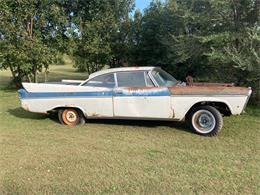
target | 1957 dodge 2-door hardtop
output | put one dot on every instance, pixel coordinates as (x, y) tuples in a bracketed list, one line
[(137, 93)]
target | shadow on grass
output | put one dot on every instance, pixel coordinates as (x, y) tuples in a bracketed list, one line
[(21, 113), (142, 123)]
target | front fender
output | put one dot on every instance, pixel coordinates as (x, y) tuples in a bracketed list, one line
[(182, 104)]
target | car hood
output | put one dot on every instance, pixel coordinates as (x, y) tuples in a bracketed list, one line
[(210, 89)]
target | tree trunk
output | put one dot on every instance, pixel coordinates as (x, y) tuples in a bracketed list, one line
[(35, 74), (96, 67), (257, 10), (16, 79), (30, 27), (12, 71), (236, 17), (88, 69), (46, 75), (28, 78), (257, 93)]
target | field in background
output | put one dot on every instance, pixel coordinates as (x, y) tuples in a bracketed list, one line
[(38, 155), (56, 73)]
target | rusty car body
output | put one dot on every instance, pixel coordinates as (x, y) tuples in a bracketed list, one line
[(137, 93)]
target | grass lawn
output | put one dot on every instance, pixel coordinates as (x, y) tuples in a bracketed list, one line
[(38, 155)]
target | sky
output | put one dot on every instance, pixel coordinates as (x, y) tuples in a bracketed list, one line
[(141, 4)]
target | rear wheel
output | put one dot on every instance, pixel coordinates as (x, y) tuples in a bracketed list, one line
[(206, 120), (70, 117)]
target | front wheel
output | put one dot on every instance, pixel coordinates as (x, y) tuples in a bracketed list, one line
[(71, 117), (206, 120)]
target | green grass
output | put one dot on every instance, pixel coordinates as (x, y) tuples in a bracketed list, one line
[(40, 156), (56, 73)]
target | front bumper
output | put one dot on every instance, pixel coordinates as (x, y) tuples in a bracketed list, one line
[(248, 97)]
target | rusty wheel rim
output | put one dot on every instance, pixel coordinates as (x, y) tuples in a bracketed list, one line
[(70, 117)]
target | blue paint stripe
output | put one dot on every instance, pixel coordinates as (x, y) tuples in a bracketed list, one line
[(27, 95)]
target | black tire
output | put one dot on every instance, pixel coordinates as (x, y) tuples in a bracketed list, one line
[(205, 120), (77, 117)]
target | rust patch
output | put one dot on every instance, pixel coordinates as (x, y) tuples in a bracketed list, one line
[(94, 114), (212, 84), (172, 115), (208, 90)]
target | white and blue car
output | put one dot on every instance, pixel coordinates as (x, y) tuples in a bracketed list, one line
[(137, 93)]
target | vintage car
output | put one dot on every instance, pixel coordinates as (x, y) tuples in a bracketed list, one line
[(137, 93)]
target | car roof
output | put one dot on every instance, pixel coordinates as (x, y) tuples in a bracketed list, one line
[(122, 69)]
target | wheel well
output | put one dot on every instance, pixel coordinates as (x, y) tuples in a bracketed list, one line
[(220, 106), (65, 107)]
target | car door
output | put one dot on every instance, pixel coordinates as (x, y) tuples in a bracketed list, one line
[(98, 101), (135, 96)]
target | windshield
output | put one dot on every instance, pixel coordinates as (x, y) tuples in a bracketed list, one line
[(163, 78)]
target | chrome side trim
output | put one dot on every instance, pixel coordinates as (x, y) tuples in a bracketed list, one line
[(132, 118), (207, 95)]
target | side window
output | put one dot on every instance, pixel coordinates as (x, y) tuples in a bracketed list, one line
[(106, 80), (131, 79)]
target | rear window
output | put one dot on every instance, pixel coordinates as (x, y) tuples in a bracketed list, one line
[(106, 80)]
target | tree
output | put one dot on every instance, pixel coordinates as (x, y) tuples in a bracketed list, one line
[(150, 49), (99, 25), (29, 32), (92, 50), (135, 38), (216, 40), (121, 34)]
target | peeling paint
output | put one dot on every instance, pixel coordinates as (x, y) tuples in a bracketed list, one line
[(144, 91)]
